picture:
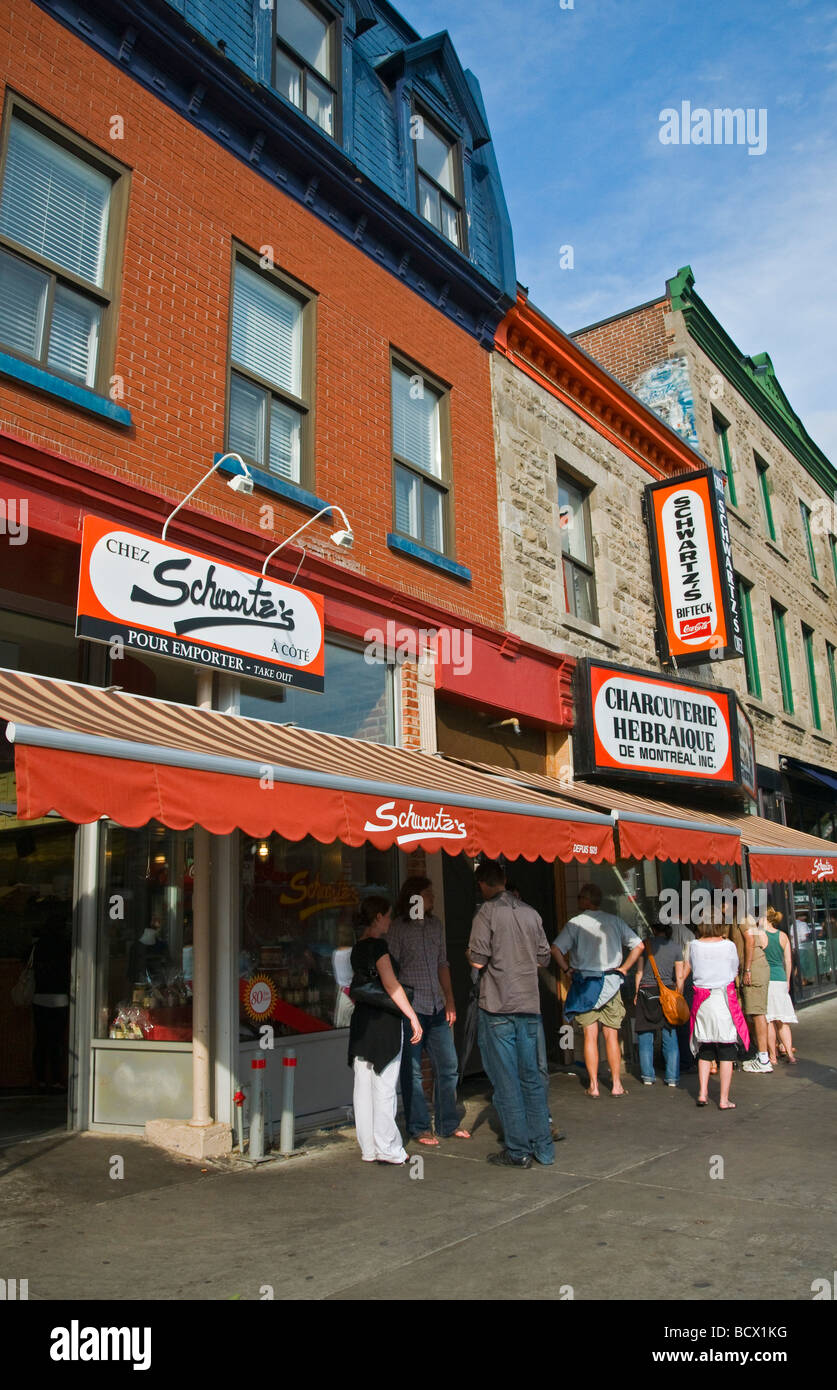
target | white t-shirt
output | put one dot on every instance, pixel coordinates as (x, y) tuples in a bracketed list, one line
[(714, 963)]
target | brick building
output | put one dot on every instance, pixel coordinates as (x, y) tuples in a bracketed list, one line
[(272, 240)]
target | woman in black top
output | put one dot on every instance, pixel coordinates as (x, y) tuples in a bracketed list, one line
[(375, 1040)]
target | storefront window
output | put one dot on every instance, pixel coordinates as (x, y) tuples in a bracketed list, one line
[(145, 938), (357, 701), (298, 905)]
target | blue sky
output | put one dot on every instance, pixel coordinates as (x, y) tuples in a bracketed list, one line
[(574, 97)]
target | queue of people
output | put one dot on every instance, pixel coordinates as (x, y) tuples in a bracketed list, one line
[(402, 1006)]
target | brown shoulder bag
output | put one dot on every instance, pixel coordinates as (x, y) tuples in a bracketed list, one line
[(674, 1006)]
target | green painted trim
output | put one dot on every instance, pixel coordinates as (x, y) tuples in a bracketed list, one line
[(832, 671), (782, 654), (751, 659), (805, 513), (832, 541), (808, 643), (754, 377), (764, 485)]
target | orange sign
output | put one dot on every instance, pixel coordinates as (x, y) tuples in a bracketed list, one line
[(176, 603)]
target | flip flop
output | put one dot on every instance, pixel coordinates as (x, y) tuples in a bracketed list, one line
[(429, 1140), (730, 1106), (460, 1134), (594, 1095), (701, 1102)]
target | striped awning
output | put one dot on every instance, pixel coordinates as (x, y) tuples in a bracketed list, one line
[(646, 828), (88, 753)]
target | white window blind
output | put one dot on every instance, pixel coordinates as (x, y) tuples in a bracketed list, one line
[(55, 204), (415, 422), (23, 294), (267, 331), (74, 335)]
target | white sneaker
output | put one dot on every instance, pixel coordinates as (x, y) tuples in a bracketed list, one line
[(756, 1065)]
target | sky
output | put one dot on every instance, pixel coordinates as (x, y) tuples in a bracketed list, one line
[(574, 98)]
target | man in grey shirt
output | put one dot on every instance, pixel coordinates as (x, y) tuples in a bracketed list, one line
[(593, 944), (507, 945)]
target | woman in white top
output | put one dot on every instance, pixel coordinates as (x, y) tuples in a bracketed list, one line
[(718, 1030)]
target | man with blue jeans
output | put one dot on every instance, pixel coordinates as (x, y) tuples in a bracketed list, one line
[(416, 939), (507, 945)]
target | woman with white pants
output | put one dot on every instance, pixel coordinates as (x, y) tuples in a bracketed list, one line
[(375, 1039)]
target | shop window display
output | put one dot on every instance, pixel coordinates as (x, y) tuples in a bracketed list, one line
[(298, 906), (145, 948)]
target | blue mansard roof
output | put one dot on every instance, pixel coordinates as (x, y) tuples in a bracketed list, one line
[(213, 61)]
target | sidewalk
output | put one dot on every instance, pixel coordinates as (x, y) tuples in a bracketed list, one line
[(628, 1211)]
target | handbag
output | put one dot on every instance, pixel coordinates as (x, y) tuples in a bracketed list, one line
[(674, 1006), (371, 992), (23, 992)]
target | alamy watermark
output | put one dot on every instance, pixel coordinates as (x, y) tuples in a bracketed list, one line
[(394, 645), (14, 519), (701, 906), (722, 125)]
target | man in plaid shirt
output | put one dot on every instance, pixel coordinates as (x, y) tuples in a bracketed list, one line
[(416, 939)]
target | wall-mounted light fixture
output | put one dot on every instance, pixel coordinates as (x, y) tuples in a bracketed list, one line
[(241, 482), (344, 539)]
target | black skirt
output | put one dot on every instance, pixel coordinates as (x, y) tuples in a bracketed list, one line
[(649, 1012)]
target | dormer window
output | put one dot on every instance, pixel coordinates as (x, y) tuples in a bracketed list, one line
[(439, 175), (305, 61)]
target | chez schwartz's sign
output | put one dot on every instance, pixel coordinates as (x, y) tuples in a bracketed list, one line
[(691, 561), (637, 724), (179, 604)]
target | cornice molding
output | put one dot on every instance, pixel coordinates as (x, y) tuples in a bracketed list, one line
[(753, 377), (558, 364), (177, 65)]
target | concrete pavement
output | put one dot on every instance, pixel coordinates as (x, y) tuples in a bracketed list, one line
[(630, 1209)]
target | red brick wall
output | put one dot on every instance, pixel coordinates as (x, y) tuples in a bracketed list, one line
[(189, 199), (628, 345)]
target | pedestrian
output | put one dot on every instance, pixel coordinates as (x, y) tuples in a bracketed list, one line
[(755, 979), (507, 944), (650, 1020), (718, 1030), (780, 1014), (417, 940), (683, 936), (375, 1038), (592, 945)]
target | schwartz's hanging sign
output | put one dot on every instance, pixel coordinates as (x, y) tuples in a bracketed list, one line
[(691, 561), (638, 724), (177, 603)]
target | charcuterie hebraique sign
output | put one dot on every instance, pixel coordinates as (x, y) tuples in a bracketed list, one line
[(167, 601), (639, 724)]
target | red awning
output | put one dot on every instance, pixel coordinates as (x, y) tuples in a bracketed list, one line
[(87, 753), (647, 829), (779, 854)]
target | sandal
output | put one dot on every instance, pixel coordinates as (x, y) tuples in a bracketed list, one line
[(429, 1140), (460, 1134)]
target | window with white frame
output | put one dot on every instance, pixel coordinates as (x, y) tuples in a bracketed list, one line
[(269, 406), (305, 64), (439, 177), (577, 550), (60, 242)]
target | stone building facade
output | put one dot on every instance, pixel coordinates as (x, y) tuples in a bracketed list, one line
[(781, 492), (557, 414)]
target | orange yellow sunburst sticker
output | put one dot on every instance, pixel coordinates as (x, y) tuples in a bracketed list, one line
[(259, 997)]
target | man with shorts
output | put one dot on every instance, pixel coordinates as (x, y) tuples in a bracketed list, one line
[(592, 944)]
